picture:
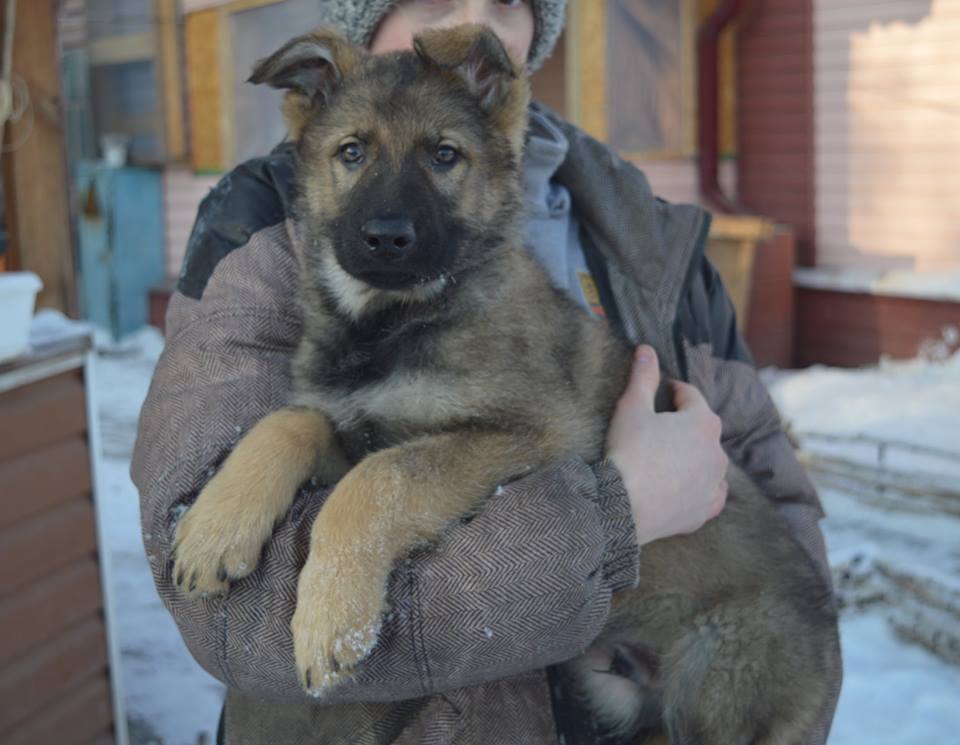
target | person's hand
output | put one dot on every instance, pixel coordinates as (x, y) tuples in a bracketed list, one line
[(671, 462)]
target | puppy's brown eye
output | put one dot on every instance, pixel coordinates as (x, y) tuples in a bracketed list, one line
[(445, 156), (352, 154)]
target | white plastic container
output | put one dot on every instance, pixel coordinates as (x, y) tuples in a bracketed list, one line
[(115, 149), (18, 295)]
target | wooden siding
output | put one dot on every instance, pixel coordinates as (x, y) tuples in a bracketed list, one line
[(775, 115), (887, 133), (34, 166), (80, 715), (72, 24), (183, 190), (204, 90), (550, 81), (676, 179), (769, 325), (849, 329), (54, 671)]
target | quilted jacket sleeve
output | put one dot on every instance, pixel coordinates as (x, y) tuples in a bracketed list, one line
[(525, 583)]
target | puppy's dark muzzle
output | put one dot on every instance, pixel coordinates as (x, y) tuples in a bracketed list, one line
[(396, 249), (390, 240)]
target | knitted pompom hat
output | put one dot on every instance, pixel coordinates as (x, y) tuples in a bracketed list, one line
[(359, 19)]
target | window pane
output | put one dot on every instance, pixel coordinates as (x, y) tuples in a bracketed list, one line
[(125, 102), (119, 17), (645, 75), (257, 33)]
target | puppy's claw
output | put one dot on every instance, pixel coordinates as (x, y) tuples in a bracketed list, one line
[(330, 644), (213, 548)]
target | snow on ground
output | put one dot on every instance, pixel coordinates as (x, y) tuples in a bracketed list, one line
[(927, 285), (894, 692), (167, 695)]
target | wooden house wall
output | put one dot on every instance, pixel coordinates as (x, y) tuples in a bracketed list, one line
[(887, 86), (183, 190), (850, 329)]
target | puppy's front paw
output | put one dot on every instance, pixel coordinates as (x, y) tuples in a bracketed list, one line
[(337, 622), (216, 543)]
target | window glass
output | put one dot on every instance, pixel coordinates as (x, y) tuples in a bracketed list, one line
[(257, 33), (645, 59)]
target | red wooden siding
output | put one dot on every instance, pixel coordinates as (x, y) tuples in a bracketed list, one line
[(849, 329), (775, 115), (550, 81), (54, 685), (769, 326)]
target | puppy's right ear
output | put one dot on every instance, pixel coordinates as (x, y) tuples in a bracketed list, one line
[(309, 68)]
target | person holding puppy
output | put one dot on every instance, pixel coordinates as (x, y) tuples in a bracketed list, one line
[(478, 621)]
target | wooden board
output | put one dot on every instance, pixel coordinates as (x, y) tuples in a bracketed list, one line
[(37, 486), (38, 415), (35, 173), (41, 678), (34, 548), (770, 326), (775, 116), (169, 74), (587, 66), (550, 81), (205, 90), (849, 329), (79, 716), (47, 608)]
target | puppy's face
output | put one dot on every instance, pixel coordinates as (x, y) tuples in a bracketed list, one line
[(409, 162)]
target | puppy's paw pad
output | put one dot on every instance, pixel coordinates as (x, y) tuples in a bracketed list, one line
[(324, 661), (337, 622), (210, 551)]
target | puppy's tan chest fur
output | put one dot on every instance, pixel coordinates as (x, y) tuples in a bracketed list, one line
[(398, 404)]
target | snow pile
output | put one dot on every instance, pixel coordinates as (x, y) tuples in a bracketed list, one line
[(888, 547), (917, 401), (167, 695), (882, 444)]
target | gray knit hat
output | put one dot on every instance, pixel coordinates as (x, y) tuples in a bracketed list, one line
[(359, 19)]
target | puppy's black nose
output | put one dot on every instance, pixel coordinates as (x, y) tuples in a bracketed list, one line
[(389, 238)]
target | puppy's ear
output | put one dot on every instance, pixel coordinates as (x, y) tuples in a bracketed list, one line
[(475, 54), (478, 57), (310, 68)]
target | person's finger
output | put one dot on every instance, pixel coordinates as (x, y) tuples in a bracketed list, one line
[(644, 377), (687, 397)]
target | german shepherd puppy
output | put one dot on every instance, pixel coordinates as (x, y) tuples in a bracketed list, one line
[(436, 362)]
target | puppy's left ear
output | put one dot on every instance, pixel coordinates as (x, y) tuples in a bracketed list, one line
[(310, 68), (477, 56)]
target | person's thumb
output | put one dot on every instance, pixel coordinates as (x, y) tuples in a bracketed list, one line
[(644, 377)]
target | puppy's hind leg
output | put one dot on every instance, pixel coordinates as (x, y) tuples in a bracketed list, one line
[(221, 536), (735, 678)]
